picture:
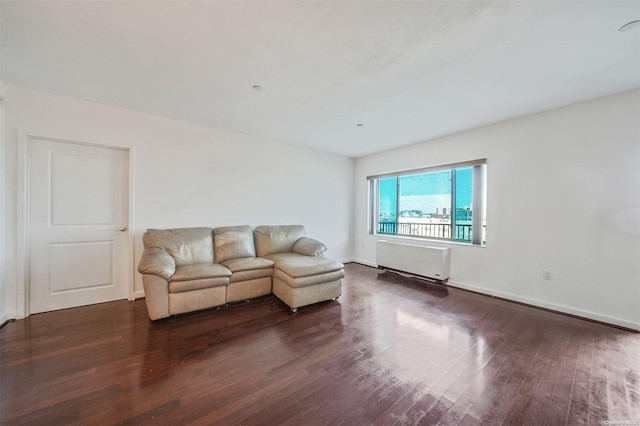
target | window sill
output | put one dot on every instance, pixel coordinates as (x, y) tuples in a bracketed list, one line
[(405, 238)]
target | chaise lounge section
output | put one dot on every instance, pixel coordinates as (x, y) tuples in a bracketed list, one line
[(302, 275), (189, 269)]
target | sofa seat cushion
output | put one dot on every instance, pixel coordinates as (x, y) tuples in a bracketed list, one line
[(308, 280), (247, 264), (251, 275), (191, 285), (200, 271), (249, 268), (297, 265)]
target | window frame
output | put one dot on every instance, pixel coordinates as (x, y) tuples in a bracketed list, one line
[(479, 173)]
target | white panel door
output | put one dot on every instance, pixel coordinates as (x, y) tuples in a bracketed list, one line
[(78, 208)]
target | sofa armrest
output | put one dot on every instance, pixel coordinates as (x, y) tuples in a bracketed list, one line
[(156, 296), (156, 261), (309, 247)]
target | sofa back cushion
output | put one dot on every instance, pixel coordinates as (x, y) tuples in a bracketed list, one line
[(186, 245), (277, 239), (233, 242)]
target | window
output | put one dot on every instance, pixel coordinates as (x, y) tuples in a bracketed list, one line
[(446, 202)]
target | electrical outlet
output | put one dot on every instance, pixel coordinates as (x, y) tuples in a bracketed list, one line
[(546, 275)]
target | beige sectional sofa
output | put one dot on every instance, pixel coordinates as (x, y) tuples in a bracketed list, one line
[(189, 269)]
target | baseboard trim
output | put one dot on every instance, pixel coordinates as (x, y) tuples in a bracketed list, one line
[(4, 320), (552, 307), (138, 295)]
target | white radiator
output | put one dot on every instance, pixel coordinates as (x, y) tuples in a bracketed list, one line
[(428, 262)]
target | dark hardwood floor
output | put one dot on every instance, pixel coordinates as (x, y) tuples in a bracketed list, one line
[(391, 350)]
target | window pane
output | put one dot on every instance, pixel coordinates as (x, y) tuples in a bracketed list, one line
[(388, 205), (425, 205), (464, 204), (439, 202)]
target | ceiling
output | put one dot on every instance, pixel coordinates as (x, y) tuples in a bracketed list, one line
[(406, 71)]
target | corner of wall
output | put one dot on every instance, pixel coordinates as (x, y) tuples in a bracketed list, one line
[(3, 307)]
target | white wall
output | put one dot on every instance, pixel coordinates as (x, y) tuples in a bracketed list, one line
[(190, 175), (563, 194), (3, 307)]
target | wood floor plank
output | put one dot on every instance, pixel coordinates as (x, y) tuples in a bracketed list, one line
[(391, 351)]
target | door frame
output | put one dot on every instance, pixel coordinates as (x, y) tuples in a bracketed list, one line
[(23, 211)]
